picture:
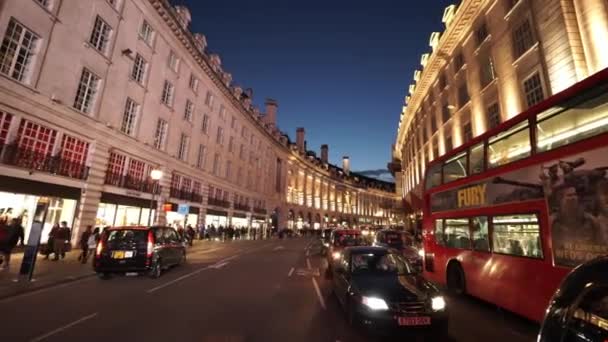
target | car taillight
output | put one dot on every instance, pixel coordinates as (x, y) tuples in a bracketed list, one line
[(99, 248), (149, 248)]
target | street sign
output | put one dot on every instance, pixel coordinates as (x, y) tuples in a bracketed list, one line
[(183, 209)]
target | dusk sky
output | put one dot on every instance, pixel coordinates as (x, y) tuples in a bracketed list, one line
[(338, 68)]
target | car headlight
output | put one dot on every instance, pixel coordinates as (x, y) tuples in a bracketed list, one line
[(374, 303), (336, 255), (421, 253), (438, 303), (365, 233)]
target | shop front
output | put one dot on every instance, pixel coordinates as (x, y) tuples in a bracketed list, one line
[(19, 197), (216, 218), (240, 220), (117, 210), (260, 224), (182, 218)]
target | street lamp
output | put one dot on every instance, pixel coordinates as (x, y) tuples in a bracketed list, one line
[(156, 175)]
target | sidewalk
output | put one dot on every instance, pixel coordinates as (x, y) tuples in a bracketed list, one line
[(46, 273)]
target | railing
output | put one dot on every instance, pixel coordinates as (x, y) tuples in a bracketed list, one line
[(241, 207), (186, 195), (128, 182), (14, 155), (262, 211), (218, 202)]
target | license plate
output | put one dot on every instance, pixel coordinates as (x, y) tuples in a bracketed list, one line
[(410, 321), (129, 254), (118, 254)]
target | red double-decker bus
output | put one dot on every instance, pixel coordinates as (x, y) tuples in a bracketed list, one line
[(508, 214)]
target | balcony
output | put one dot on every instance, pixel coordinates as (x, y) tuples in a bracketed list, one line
[(241, 207), (261, 211), (128, 182), (186, 195), (218, 202), (14, 155)]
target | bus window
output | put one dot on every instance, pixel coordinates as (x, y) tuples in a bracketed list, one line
[(456, 233), (455, 168), (517, 235), (508, 146), (479, 230), (476, 159), (584, 119), (433, 176), (439, 232)]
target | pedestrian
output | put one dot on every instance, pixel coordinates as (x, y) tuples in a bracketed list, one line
[(13, 234), (191, 233), (84, 244), (61, 240), (201, 232), (50, 244), (92, 243)]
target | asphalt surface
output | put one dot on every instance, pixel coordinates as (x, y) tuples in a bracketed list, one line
[(235, 291)]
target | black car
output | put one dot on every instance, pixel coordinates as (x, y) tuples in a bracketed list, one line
[(379, 290), (403, 242), (579, 309), (325, 239), (138, 250)]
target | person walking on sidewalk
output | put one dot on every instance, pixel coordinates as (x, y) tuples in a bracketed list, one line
[(62, 237), (191, 233), (50, 244), (84, 244), (13, 235)]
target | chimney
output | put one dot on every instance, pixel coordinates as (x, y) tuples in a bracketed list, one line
[(324, 153), (271, 112), (300, 139), (184, 16), (346, 165)]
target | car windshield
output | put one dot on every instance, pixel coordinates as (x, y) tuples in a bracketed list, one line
[(348, 240), (394, 240), (379, 264), (127, 235)]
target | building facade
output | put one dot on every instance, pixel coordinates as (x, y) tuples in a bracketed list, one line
[(99, 96), (494, 59)]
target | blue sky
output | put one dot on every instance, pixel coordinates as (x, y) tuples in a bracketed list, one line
[(338, 68)]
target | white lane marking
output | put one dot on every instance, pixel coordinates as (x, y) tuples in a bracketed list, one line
[(65, 327), (47, 289), (321, 300), (308, 263), (290, 272), (219, 265), (154, 289)]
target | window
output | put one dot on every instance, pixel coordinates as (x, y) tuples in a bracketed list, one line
[(202, 154), (205, 127), (231, 144), (116, 164), (480, 236), (463, 94), (508, 146), (129, 117), (167, 95), (222, 113), (456, 233), (435, 149), (458, 62), (439, 232), (44, 3), (433, 123), (160, 135), (476, 159), (73, 155), (517, 235), (233, 123), (87, 89), (445, 114), (146, 32), (481, 33), (100, 35), (189, 110), (216, 164), (242, 152), (455, 168), (433, 176), (228, 169), (209, 99), (136, 169), (522, 39), (486, 71), (442, 81), (533, 89), (173, 61), (244, 132), (467, 131), (585, 116), (193, 84), (448, 143), (589, 320), (17, 51), (5, 125), (220, 136), (140, 66), (182, 149), (36, 138), (493, 115)]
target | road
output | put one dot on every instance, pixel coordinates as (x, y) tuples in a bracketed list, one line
[(237, 291)]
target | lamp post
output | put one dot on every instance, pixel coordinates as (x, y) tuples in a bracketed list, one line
[(156, 175)]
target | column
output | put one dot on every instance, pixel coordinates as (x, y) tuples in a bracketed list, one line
[(165, 185)]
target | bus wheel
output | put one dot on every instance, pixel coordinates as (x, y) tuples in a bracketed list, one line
[(456, 279)]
